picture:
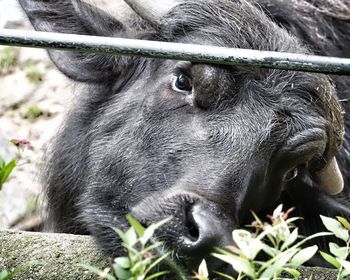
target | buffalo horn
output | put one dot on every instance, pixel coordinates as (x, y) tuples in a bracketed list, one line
[(330, 178), (152, 11)]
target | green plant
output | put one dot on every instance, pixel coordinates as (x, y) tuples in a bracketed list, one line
[(203, 273), (33, 74), (5, 170), (340, 228), (4, 275), (8, 59), (33, 112), (142, 255), (277, 239)]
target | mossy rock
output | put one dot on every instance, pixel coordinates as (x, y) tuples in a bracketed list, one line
[(48, 255)]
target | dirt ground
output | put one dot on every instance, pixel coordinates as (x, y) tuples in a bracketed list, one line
[(34, 97), (31, 109)]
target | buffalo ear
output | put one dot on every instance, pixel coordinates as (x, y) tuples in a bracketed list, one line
[(76, 17)]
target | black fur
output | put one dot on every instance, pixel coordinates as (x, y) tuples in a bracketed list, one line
[(134, 144)]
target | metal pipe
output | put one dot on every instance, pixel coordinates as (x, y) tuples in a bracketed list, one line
[(176, 51)]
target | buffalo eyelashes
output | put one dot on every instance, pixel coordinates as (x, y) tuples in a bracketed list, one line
[(182, 83)]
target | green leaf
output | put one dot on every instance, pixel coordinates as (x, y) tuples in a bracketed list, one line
[(319, 234), (5, 173), (344, 273), (277, 211), (336, 227), (157, 275), (222, 251), (148, 234), (134, 256), (331, 260), (238, 264), (122, 274), (97, 271), (293, 219), (295, 273), (132, 251), (256, 218), (156, 262), (303, 255), (121, 234), (248, 245), (151, 247), (131, 237), (203, 269), (290, 240), (282, 230), (123, 262), (344, 222), (4, 275), (224, 275), (151, 229), (340, 252), (140, 267), (2, 164), (178, 271), (140, 230), (91, 268), (272, 252), (344, 263), (264, 265), (280, 261)]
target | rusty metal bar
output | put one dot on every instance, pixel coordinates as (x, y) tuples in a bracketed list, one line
[(176, 51)]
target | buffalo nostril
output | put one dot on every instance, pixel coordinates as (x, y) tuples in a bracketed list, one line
[(191, 225), (204, 231)]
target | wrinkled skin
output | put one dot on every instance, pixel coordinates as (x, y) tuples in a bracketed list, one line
[(227, 143)]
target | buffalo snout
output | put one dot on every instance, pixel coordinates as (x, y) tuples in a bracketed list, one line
[(197, 226)]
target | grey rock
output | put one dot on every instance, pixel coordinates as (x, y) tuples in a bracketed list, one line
[(48, 256)]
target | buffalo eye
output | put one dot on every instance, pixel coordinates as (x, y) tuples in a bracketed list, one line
[(182, 83), (292, 174)]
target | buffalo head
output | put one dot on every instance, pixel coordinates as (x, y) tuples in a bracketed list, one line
[(199, 142)]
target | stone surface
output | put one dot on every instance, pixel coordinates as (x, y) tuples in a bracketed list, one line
[(48, 256), (317, 273), (52, 96)]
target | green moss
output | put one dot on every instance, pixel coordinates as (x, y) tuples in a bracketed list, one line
[(33, 74), (8, 59), (47, 256), (33, 112)]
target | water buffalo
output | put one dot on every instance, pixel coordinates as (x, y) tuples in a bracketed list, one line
[(199, 142)]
